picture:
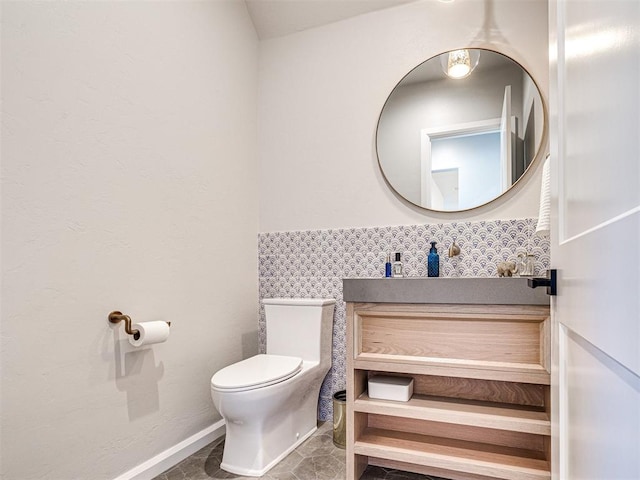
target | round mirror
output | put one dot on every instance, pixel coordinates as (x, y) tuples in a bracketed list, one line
[(460, 130)]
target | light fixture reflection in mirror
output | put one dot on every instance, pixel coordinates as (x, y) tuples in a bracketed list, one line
[(453, 145), (460, 63)]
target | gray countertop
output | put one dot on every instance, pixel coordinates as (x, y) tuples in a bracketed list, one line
[(465, 290)]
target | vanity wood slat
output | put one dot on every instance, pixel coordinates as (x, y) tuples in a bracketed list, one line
[(491, 365), (425, 469), (449, 429), (525, 394), (466, 338), (418, 309), (452, 332), (462, 412), (455, 368), (454, 455)]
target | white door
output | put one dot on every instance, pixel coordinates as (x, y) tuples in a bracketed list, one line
[(505, 140), (595, 152)]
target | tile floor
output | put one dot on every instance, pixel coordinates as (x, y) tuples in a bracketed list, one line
[(316, 459)]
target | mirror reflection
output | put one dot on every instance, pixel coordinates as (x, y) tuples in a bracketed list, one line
[(460, 129)]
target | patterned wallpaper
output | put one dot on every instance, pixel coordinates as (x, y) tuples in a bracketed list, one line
[(313, 263)]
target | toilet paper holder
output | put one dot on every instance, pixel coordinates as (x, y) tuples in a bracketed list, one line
[(117, 317)]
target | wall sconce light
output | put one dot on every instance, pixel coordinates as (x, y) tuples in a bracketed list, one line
[(459, 63)]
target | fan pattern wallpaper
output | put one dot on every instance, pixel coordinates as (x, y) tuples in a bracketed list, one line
[(312, 263)]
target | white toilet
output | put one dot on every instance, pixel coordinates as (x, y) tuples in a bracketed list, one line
[(269, 402)]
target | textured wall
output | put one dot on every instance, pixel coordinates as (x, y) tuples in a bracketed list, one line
[(128, 182), (313, 263), (321, 191), (321, 92)]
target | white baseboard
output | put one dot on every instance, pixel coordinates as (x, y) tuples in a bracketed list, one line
[(171, 456)]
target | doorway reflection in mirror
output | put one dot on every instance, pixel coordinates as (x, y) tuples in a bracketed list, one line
[(498, 101)]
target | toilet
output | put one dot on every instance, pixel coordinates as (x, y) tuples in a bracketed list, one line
[(269, 401)]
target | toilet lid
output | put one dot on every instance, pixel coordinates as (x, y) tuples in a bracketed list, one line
[(257, 371)]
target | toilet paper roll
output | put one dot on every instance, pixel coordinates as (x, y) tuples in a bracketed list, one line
[(150, 333)]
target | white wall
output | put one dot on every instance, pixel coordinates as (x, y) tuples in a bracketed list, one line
[(321, 92), (129, 182)]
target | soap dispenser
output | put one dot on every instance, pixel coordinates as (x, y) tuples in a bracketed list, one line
[(433, 261)]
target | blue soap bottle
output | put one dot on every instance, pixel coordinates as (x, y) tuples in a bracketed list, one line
[(433, 261), (387, 267)]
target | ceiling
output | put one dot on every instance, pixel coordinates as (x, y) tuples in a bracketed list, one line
[(276, 18)]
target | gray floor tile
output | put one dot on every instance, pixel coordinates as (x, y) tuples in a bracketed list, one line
[(316, 459)]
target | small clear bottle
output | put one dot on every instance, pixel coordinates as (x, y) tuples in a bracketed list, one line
[(397, 266), (525, 265), (529, 265)]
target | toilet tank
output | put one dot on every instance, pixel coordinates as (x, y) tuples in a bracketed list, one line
[(300, 327)]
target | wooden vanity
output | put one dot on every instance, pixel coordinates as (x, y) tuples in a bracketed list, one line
[(480, 408)]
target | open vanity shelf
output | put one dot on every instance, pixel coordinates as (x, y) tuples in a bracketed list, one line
[(480, 407)]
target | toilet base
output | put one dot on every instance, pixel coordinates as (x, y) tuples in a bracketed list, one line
[(259, 473)]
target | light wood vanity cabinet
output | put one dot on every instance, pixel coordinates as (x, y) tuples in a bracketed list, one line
[(480, 408)]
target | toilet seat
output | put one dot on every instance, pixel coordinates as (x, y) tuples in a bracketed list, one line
[(256, 372)]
